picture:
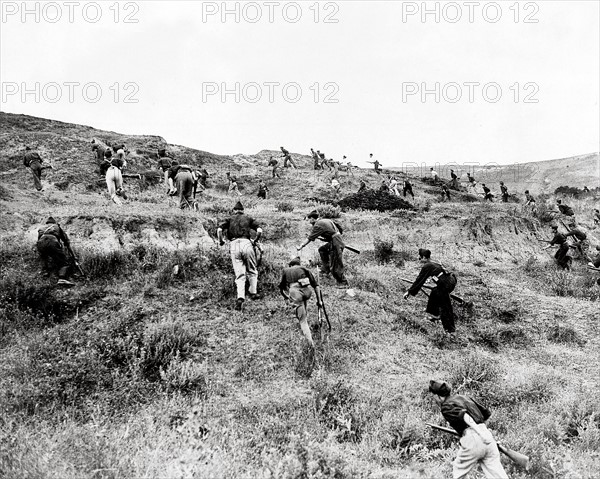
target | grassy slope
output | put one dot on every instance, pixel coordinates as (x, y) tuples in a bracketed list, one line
[(82, 390), (538, 177)]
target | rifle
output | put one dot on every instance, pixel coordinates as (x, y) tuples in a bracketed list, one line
[(453, 296), (76, 262), (322, 307), (592, 268), (519, 459), (354, 250)]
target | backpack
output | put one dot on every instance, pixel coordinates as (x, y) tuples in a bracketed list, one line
[(446, 279)]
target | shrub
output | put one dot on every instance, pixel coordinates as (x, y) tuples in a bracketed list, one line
[(384, 250), (335, 407), (564, 335), (165, 342), (329, 211), (184, 376), (472, 372), (285, 207)]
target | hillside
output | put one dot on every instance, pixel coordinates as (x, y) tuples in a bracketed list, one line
[(145, 370), (537, 177)]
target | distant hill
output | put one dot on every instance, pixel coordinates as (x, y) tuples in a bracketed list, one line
[(538, 177)]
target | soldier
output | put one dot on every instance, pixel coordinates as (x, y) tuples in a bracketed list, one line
[(439, 305), (243, 253), (275, 165), (375, 163), (184, 179), (394, 186), (487, 193), (530, 201), (315, 156), (477, 445), (384, 188), (581, 243), (454, 180), (324, 160), (562, 254), (445, 193), (120, 151), (332, 251), (233, 186), (407, 187), (114, 178), (363, 186), (595, 263), (335, 184), (564, 209), (471, 179), (504, 191), (33, 161), (262, 190), (171, 175), (287, 158), (203, 176), (349, 167), (164, 163), (434, 176), (53, 245), (99, 148), (294, 287)]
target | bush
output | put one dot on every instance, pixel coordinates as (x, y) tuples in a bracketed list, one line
[(384, 250), (164, 343), (285, 207), (335, 406), (329, 211), (473, 372)]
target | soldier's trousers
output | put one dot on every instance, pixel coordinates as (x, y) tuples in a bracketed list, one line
[(409, 190), (36, 171), (52, 252), (562, 256), (114, 181), (440, 304), (474, 451), (185, 188), (244, 262), (331, 258)]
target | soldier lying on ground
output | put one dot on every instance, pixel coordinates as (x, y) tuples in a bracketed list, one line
[(564, 209)]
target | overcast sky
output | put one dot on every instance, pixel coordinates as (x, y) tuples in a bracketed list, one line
[(516, 82)]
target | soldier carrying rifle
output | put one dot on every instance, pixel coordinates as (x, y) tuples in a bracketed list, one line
[(477, 445), (54, 248), (439, 305), (295, 284)]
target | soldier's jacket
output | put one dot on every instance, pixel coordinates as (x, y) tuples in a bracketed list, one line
[(164, 163), (30, 157), (324, 228), (55, 230), (294, 274), (239, 226)]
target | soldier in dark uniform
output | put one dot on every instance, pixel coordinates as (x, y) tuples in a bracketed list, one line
[(332, 251), (504, 191), (407, 188), (487, 193), (296, 281), (33, 161), (561, 256), (54, 246)]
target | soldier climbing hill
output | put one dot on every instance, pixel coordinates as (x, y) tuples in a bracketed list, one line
[(54, 248), (504, 191), (439, 305), (332, 251), (477, 445), (238, 229), (562, 254), (375, 163), (295, 284), (33, 161), (287, 158)]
